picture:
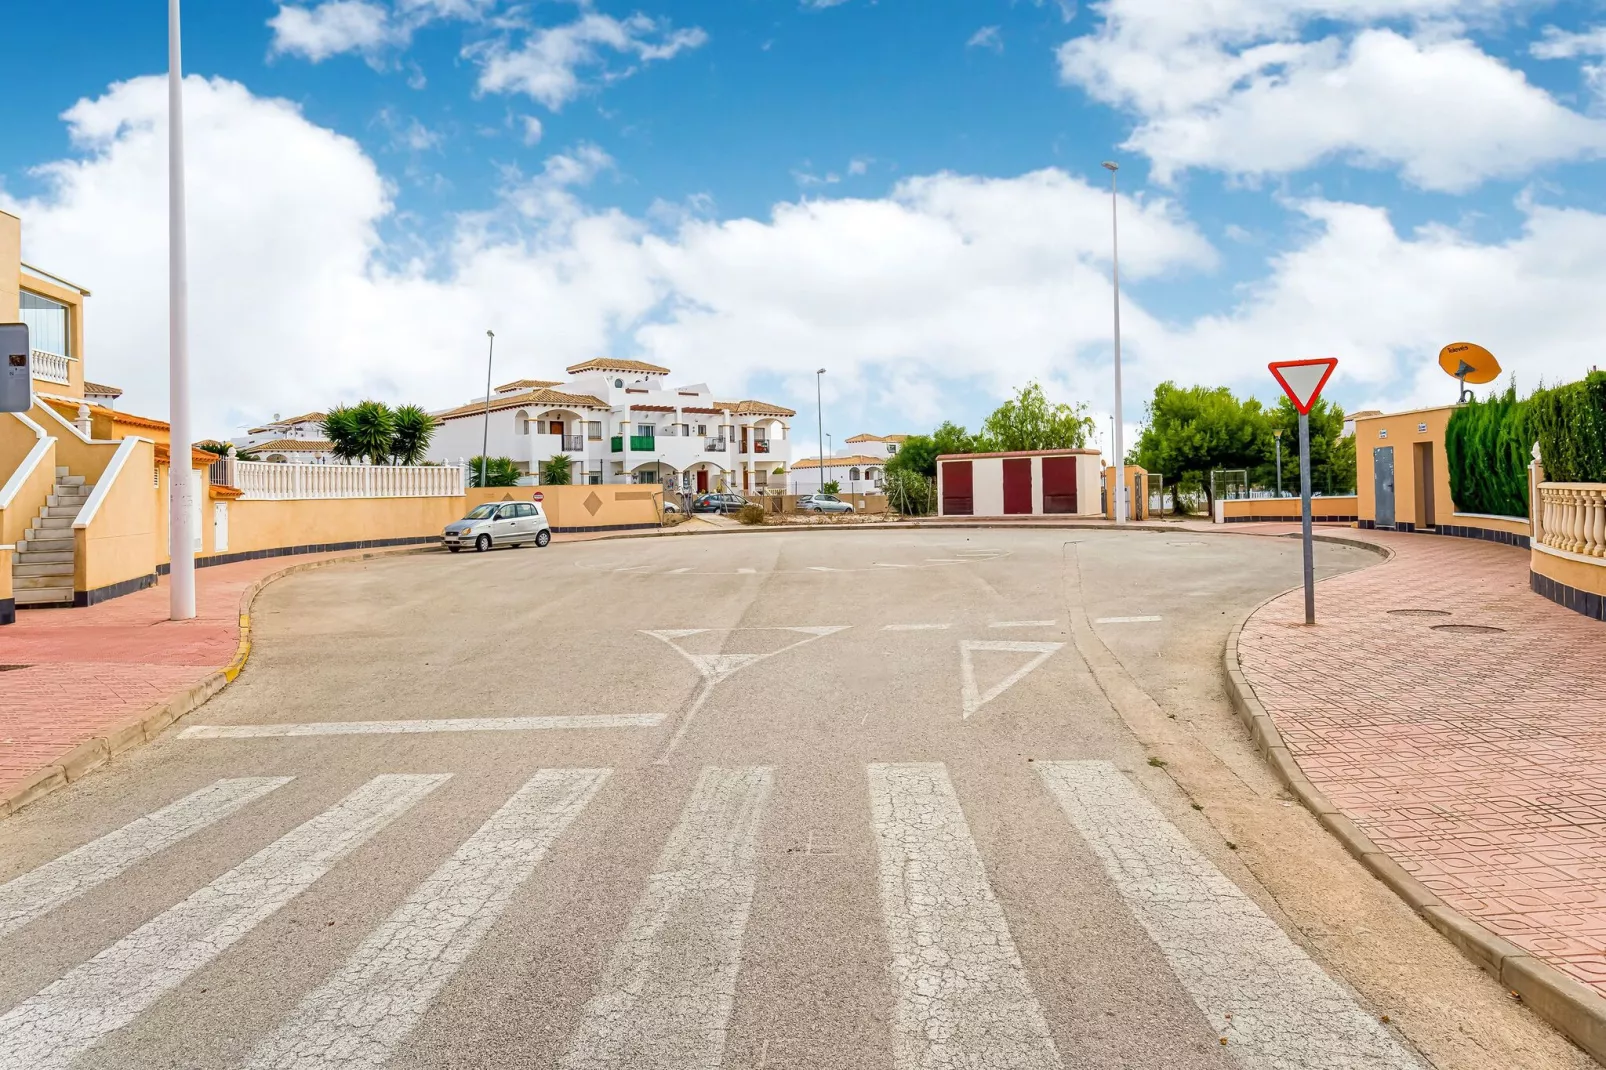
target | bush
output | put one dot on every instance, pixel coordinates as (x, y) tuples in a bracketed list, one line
[(1487, 448), (830, 486), (1570, 425), (499, 472), (909, 493), (750, 514)]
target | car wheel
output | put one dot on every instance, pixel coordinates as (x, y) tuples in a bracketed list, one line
[(455, 549), (483, 543), (543, 538)]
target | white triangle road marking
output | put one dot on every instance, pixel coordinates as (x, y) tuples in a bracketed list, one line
[(676, 633), (716, 665), (820, 629), (973, 698)]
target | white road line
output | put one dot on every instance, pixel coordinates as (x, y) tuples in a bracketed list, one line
[(449, 724), (49, 1030), (666, 997), (1125, 620), (357, 1017), (888, 564), (915, 627), (746, 572), (823, 568), (944, 561), (963, 1000), (1256, 986), (677, 571), (971, 697), (1023, 624), (66, 878)]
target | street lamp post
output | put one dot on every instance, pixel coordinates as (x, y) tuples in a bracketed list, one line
[(181, 503), (1115, 275), (485, 437), (1277, 435), (819, 408)]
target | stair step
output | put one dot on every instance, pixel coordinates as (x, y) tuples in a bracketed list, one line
[(57, 523), (41, 570), (35, 583), (62, 472), (74, 500), (64, 480), (68, 513), (54, 539), (43, 596), (28, 555)]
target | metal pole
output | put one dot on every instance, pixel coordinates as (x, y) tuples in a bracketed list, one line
[(181, 491), (1278, 438), (819, 407), (1115, 277), (485, 438), (1304, 519)]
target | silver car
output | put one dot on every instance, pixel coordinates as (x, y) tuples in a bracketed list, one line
[(499, 524), (823, 503)]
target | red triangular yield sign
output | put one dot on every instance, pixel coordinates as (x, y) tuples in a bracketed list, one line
[(1302, 380)]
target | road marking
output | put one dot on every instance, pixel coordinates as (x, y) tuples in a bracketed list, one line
[(666, 997), (823, 568), (915, 627), (1275, 1006), (445, 724), (1125, 620), (49, 1030), (973, 699), (677, 571), (1023, 624), (888, 564), (746, 571), (66, 878), (962, 996), (945, 561), (358, 1016)]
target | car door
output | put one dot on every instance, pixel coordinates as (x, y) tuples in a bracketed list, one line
[(525, 516), (538, 520), (506, 526)]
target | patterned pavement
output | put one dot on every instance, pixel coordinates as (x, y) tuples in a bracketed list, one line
[(1476, 758)]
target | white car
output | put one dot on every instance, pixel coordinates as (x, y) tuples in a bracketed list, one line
[(823, 503), (499, 524)]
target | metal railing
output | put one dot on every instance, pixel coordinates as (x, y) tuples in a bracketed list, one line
[(266, 480), (761, 445), (1572, 518), (715, 445), (220, 473), (51, 367), (574, 443)]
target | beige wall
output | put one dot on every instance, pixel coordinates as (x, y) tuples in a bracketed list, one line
[(1582, 575), (269, 525), (17, 440), (618, 504), (1404, 430), (5, 571), (1139, 502), (1337, 505), (75, 331), (119, 542), (87, 459), (10, 266)]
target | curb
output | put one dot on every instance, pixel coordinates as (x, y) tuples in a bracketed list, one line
[(1570, 1006), (131, 732)]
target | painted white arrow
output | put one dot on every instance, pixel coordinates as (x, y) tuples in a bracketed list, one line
[(974, 699)]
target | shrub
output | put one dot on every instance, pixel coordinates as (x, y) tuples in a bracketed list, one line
[(1570, 425), (750, 514), (909, 493), (830, 486), (499, 472), (1486, 448)]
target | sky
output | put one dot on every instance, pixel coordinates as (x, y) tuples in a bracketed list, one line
[(907, 193)]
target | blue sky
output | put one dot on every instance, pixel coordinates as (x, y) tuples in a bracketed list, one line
[(905, 191)]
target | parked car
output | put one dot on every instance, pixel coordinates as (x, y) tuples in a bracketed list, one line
[(823, 503), (717, 503), (499, 524)]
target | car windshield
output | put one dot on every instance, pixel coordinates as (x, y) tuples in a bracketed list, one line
[(481, 512)]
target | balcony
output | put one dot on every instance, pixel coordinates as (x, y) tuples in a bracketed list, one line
[(715, 445), (574, 444), (638, 444), (761, 445), (51, 367)]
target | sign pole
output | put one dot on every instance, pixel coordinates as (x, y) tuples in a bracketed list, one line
[(1304, 518)]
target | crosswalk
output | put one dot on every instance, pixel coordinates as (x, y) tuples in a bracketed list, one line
[(961, 995)]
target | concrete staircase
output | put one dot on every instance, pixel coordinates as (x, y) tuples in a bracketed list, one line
[(43, 572)]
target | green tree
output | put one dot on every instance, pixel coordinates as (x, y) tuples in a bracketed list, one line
[(340, 428), (830, 486), (919, 453), (364, 431), (1330, 471), (411, 434), (557, 471), (1028, 421), (1188, 431), (222, 449), (499, 472), (909, 493)]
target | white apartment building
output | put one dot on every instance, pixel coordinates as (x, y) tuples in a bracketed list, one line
[(298, 440), (861, 470), (622, 421)]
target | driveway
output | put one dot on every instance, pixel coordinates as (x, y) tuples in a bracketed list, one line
[(898, 799)]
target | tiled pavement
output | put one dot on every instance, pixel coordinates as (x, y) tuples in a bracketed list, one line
[(1477, 759)]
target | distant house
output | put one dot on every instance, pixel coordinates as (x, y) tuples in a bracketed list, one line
[(298, 440), (859, 471)]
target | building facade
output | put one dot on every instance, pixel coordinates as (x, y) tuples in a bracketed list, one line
[(624, 421), (860, 470)]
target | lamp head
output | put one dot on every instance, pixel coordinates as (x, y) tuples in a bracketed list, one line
[(821, 371), (1110, 165), (1277, 433), (490, 334)]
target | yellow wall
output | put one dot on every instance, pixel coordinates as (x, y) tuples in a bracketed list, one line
[(1139, 503), (10, 266), (75, 332), (5, 571), (1336, 505), (269, 525), (1583, 575), (1404, 430), (87, 459), (618, 504), (17, 439), (119, 542)]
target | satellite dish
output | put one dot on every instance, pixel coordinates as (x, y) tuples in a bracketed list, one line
[(1468, 363)]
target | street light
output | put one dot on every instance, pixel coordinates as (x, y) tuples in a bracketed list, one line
[(819, 407), (1115, 275), (1277, 435), (181, 503), (485, 437)]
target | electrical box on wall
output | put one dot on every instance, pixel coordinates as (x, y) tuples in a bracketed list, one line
[(16, 368)]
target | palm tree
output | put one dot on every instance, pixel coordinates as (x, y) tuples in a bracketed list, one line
[(340, 428), (414, 428), (499, 472), (557, 472), (374, 430)]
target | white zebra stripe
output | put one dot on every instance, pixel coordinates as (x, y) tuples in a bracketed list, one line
[(963, 1000), (49, 1030), (357, 1017), (1274, 1005), (66, 878), (666, 997), (446, 724)]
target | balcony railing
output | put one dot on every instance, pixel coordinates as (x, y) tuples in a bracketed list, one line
[(574, 444), (715, 445), (761, 445), (1572, 518), (638, 444), (51, 367), (273, 481)]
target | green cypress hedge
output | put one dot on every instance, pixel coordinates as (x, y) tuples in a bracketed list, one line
[(1488, 444), (1570, 424)]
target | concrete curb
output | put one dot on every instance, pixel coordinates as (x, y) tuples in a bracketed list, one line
[(1572, 1007), (141, 728)]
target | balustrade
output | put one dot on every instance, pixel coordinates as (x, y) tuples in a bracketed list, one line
[(266, 480), (1572, 518)]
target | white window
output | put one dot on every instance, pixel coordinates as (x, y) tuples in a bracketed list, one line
[(853, 475), (644, 430), (47, 323), (594, 430), (702, 429), (522, 420), (892, 447)]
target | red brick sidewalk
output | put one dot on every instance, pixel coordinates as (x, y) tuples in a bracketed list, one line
[(1476, 759)]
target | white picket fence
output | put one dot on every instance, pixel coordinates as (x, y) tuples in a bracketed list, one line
[(269, 481)]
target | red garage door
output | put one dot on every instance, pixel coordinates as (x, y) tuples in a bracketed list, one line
[(1059, 484), (1017, 485), (957, 497)]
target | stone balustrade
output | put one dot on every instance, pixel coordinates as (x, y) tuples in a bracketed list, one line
[(266, 480), (1572, 518)]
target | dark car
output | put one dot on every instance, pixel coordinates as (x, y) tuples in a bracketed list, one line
[(717, 503)]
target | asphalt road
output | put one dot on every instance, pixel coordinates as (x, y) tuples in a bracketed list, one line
[(853, 799)]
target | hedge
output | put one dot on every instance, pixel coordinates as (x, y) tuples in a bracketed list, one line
[(1487, 448), (1570, 424)]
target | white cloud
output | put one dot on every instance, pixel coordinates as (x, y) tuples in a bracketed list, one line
[(1560, 44), (532, 129), (990, 37), (333, 27), (859, 165), (547, 65), (1234, 86)]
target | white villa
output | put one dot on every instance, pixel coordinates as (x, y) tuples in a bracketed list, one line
[(298, 440), (622, 421), (860, 471)]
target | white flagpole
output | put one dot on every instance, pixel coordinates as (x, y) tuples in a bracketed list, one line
[(181, 491)]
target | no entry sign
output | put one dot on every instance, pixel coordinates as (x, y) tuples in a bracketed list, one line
[(1302, 381), (538, 497)]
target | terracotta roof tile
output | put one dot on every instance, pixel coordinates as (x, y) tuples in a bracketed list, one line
[(293, 445), (526, 384), (542, 396), (609, 364), (753, 408), (841, 462), (101, 388)]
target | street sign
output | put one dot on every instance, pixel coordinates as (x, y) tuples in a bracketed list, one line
[(16, 373), (538, 497), (1302, 380)]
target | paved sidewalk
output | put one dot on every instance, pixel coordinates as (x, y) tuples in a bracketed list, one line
[(1476, 758)]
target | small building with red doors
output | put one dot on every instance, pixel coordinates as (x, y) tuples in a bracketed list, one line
[(1027, 483)]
